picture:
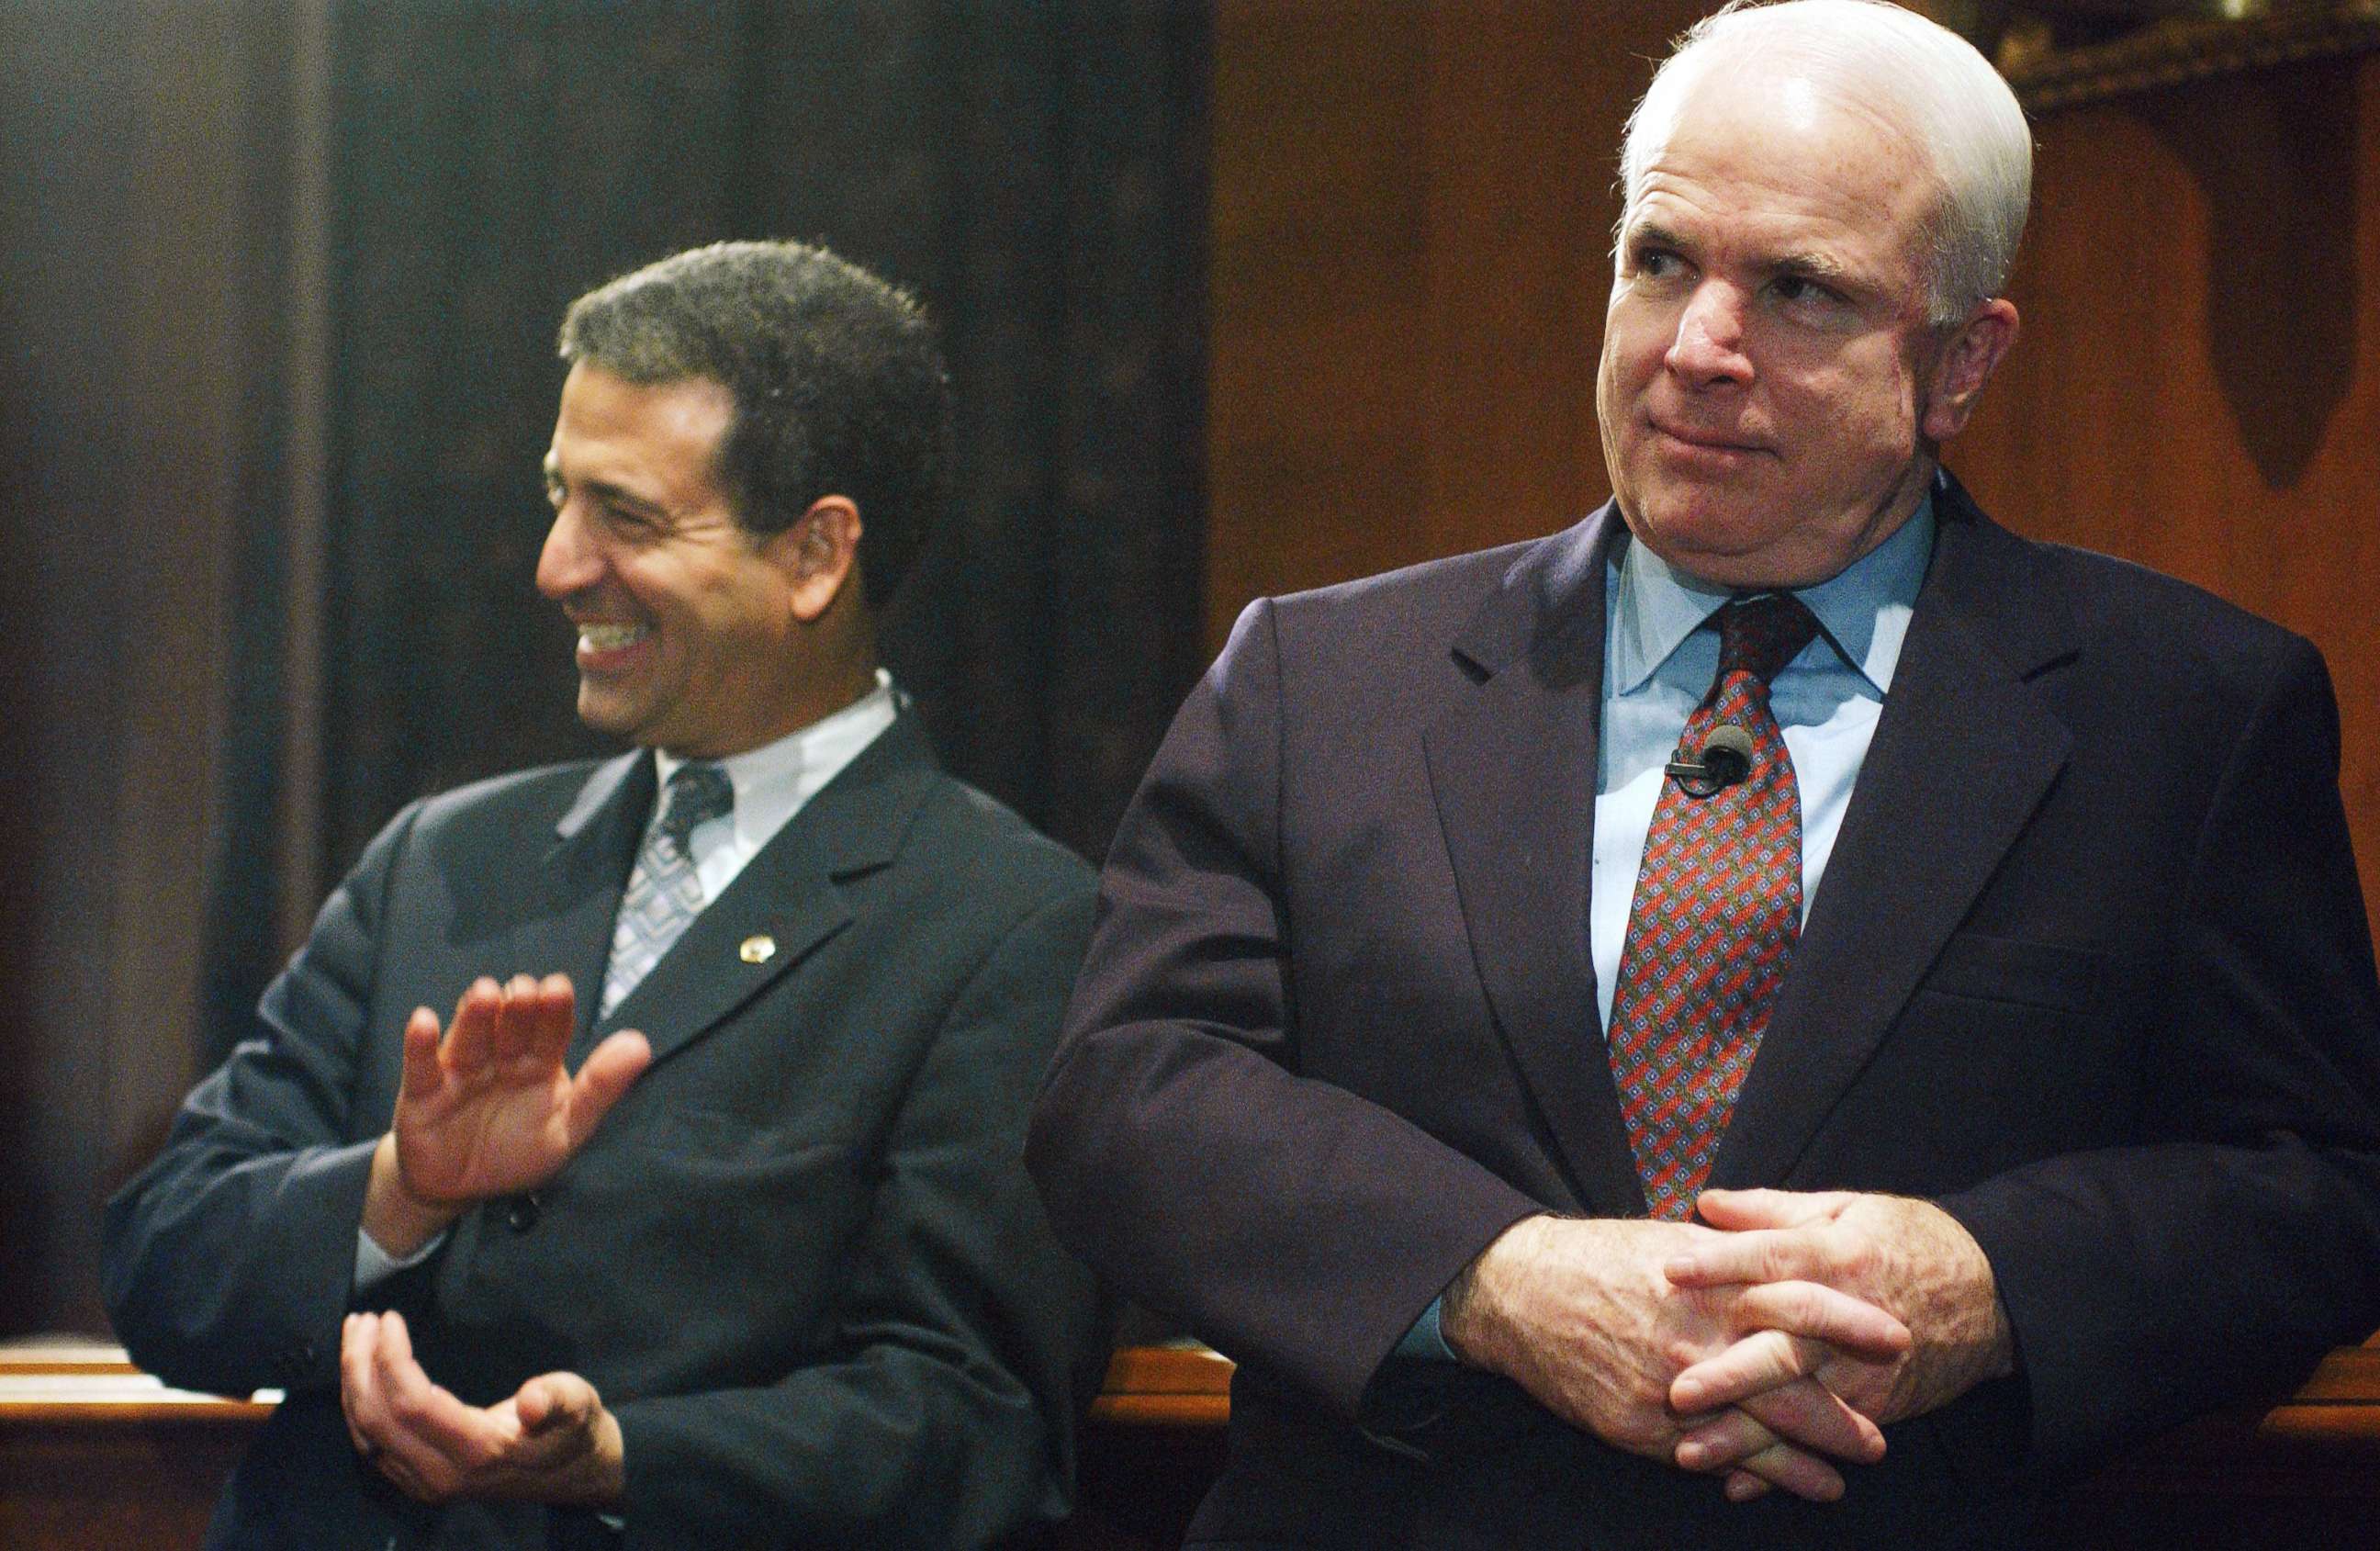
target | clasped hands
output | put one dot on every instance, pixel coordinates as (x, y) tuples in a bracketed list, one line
[(485, 1109), (1765, 1348)]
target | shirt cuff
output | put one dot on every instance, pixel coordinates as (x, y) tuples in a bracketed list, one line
[(1425, 1340), (375, 1265)]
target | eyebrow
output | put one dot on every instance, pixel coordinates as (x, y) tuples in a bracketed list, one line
[(617, 495), (1814, 266), (1646, 234), (1809, 264)]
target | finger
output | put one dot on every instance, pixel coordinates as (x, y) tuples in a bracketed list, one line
[(470, 1038), (1738, 1210), (1822, 1313), (375, 1433), (557, 1415), (1724, 1441), (1753, 1255), (1803, 1413), (1809, 1415), (1742, 1487), (556, 1400), (1788, 1468), (557, 1011), (358, 1403), (517, 1020), (423, 1075), (1759, 1362), (608, 1074)]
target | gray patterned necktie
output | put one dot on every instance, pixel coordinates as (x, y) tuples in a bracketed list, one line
[(663, 894)]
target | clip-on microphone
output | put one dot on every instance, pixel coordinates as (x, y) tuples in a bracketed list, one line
[(1726, 759)]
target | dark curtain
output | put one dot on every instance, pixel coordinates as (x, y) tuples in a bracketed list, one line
[(1034, 171)]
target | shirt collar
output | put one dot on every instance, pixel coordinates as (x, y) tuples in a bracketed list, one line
[(773, 780), (1862, 610)]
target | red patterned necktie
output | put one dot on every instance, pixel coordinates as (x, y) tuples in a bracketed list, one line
[(1712, 927)]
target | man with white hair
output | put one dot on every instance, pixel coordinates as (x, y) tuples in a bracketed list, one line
[(1783, 1014)]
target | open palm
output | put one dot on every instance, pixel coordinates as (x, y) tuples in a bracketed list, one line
[(488, 1108)]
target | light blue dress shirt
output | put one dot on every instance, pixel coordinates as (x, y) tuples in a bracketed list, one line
[(1660, 652)]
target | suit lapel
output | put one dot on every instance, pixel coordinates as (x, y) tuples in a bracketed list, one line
[(787, 900), (583, 873), (1513, 774), (1963, 753)]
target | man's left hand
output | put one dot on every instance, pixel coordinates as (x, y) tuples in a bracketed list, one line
[(1907, 1257), (552, 1442)]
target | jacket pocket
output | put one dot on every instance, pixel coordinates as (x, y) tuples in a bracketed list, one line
[(2045, 975)]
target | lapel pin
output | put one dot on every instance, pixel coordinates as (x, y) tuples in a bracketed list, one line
[(757, 948)]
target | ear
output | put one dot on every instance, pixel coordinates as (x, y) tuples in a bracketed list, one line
[(820, 555), (1967, 363)]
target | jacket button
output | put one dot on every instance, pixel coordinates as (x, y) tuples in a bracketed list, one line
[(522, 1212)]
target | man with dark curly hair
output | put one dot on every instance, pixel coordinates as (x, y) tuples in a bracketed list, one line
[(702, 1220)]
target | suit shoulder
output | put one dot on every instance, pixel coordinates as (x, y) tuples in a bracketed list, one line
[(1416, 607), (2162, 623), (540, 795), (990, 851), (1452, 581)]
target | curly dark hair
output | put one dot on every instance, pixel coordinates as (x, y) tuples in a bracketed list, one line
[(839, 386)]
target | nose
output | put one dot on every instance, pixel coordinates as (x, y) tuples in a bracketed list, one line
[(1708, 349), (570, 562)]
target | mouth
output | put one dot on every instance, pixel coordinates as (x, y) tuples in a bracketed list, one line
[(1709, 443), (604, 645)]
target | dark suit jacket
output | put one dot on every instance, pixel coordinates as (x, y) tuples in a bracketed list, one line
[(800, 1260), (2089, 968)]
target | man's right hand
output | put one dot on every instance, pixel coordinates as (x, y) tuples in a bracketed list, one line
[(1579, 1314), (487, 1108)]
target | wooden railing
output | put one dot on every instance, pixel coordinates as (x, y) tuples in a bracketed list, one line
[(95, 1453)]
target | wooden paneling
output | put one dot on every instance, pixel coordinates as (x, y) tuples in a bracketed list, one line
[(1413, 206)]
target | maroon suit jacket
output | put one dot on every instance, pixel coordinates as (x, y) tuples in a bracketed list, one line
[(2089, 968)]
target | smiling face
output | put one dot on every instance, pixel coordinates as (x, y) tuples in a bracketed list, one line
[(1771, 389), (689, 624)]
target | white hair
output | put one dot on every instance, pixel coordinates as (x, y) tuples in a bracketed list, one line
[(1918, 74)]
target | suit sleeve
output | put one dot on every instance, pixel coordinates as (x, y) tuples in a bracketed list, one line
[(961, 1335), (2242, 1238), (230, 1259), (1289, 1222)]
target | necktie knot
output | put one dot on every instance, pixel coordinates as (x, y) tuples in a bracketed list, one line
[(698, 793), (1759, 635)]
